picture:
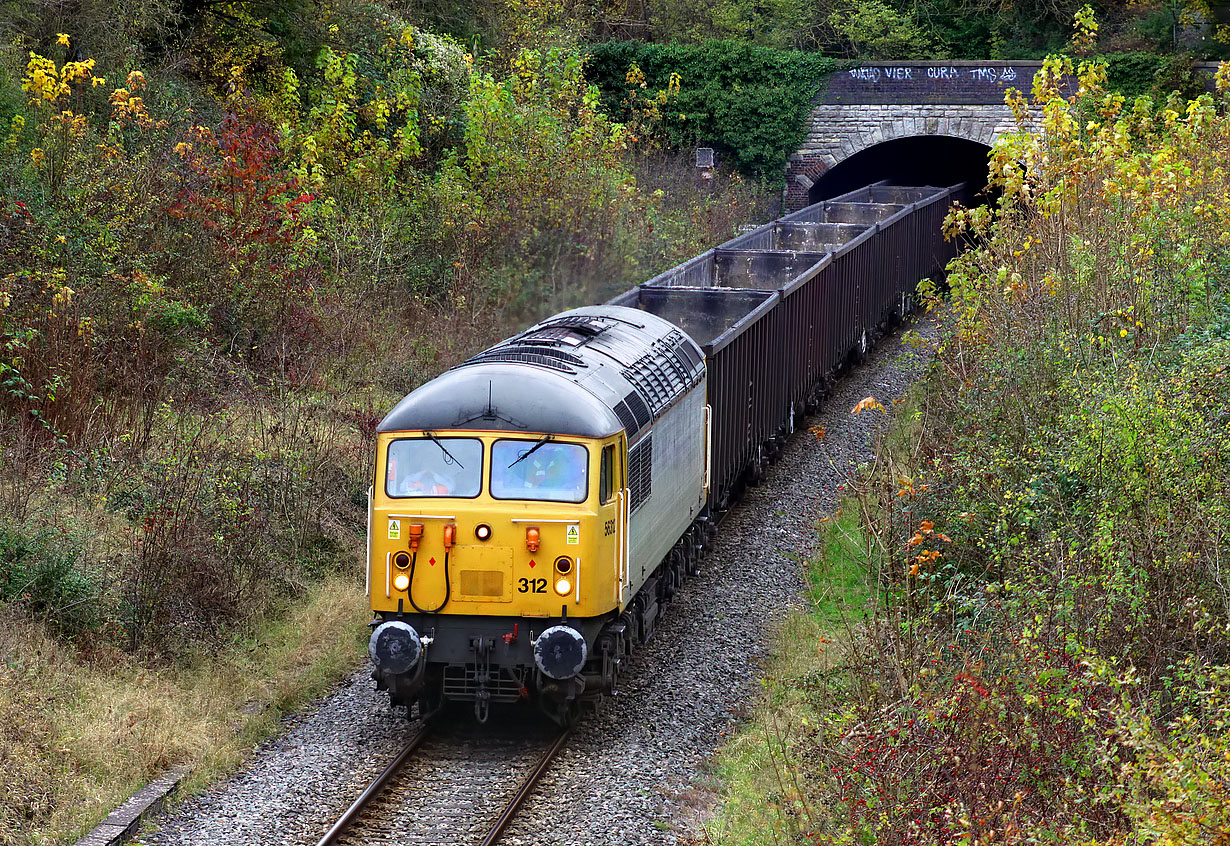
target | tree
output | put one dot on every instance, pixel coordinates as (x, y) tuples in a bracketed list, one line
[(872, 29)]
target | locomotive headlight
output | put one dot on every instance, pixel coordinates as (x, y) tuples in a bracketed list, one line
[(482, 531), (563, 564), (401, 581), (562, 586)]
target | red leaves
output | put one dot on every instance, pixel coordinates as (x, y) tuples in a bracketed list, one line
[(974, 683), (235, 188)]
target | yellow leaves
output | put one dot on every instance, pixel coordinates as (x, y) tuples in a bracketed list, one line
[(818, 431), (868, 404), (129, 110), (47, 84), (62, 39), (16, 127), (1222, 78)]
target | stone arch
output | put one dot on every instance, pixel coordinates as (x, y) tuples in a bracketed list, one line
[(837, 133)]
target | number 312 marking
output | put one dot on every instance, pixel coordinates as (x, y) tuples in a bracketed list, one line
[(531, 586)]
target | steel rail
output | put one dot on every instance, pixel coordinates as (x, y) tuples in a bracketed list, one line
[(374, 788), (510, 810)]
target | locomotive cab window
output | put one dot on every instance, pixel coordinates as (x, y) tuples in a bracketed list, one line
[(440, 467), (606, 475), (539, 470)]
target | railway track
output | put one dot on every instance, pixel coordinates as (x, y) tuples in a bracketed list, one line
[(405, 804)]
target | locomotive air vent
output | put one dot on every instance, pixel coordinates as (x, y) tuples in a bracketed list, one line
[(640, 473), (627, 418), (583, 324), (640, 411), (684, 352)]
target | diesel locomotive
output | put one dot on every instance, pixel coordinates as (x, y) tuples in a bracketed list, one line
[(534, 508)]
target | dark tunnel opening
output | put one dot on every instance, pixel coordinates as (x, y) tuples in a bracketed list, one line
[(921, 160)]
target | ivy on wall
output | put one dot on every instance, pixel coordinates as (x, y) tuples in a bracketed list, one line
[(750, 103)]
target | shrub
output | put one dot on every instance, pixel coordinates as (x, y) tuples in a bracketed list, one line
[(43, 572)]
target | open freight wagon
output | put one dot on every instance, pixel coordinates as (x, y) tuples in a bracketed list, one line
[(778, 309)]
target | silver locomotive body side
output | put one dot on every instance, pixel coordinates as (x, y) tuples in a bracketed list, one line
[(668, 460)]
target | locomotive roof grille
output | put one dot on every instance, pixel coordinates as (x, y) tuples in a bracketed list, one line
[(680, 367), (668, 371), (582, 324), (684, 353), (648, 385), (627, 418), (640, 411), (563, 356), (553, 359)]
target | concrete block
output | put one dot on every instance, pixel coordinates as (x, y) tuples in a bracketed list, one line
[(123, 823), (105, 835)]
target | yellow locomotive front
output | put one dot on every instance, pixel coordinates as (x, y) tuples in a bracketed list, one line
[(496, 549), (485, 544), (495, 524)]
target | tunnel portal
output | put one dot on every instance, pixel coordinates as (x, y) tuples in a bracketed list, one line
[(919, 160)]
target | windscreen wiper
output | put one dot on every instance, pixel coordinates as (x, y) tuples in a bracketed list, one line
[(531, 450), (440, 444)]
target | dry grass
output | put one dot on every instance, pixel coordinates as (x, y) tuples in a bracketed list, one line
[(79, 731)]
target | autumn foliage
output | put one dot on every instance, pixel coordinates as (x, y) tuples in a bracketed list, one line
[(1046, 660)]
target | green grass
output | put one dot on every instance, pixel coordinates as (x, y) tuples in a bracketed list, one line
[(837, 577)]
